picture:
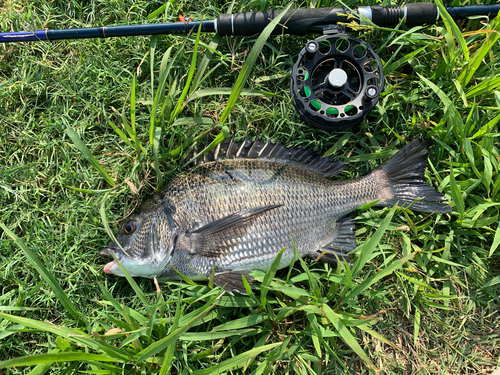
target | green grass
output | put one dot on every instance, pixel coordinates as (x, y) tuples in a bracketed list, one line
[(90, 128)]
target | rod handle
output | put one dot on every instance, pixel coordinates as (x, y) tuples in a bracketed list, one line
[(416, 14), (301, 21), (295, 21)]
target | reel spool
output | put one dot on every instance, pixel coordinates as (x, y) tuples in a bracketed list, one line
[(336, 81)]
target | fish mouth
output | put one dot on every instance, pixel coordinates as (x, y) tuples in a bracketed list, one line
[(106, 252)]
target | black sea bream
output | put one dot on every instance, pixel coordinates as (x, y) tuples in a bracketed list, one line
[(246, 201)]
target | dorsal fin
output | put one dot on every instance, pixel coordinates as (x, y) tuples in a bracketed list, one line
[(305, 158)]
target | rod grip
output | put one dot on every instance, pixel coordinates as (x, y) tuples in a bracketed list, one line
[(295, 21), (421, 14), (416, 14)]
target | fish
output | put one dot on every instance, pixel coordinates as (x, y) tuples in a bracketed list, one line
[(243, 202)]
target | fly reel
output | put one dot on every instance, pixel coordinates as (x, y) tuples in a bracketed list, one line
[(336, 81)]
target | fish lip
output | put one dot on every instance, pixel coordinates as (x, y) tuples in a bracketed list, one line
[(108, 266), (106, 252)]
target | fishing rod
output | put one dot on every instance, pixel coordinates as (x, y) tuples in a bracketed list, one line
[(298, 22), (336, 80)]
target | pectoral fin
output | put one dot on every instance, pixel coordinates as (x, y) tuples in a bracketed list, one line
[(212, 240)]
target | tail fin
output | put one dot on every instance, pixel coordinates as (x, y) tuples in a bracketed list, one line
[(405, 172)]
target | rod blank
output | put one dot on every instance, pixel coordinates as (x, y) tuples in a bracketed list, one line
[(108, 31)]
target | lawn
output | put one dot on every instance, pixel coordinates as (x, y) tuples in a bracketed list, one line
[(90, 128)]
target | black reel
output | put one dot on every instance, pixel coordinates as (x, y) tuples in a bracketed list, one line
[(336, 81)]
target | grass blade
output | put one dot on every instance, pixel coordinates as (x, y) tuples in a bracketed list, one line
[(243, 359), (369, 247), (452, 28), (202, 336), (71, 334), (492, 282), (75, 335), (158, 346), (268, 277), (455, 120), (469, 152), (486, 86), (388, 69), (180, 103), (87, 155), (455, 193), (193, 120), (169, 353), (42, 368), (346, 335), (477, 58), (133, 133), (162, 9), (416, 326), (160, 92), (311, 278), (117, 130), (224, 133), (211, 48), (488, 127), (496, 241), (54, 357), (377, 335), (378, 276), (156, 147), (47, 276), (133, 284), (152, 49), (104, 218), (227, 91), (248, 65), (214, 43), (244, 322)]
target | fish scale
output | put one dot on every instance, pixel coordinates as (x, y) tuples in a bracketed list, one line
[(245, 201)]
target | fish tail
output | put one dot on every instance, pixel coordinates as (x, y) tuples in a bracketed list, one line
[(404, 180)]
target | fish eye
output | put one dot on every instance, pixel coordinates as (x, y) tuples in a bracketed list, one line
[(130, 227)]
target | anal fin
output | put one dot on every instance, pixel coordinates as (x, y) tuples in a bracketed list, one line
[(232, 281), (343, 242)]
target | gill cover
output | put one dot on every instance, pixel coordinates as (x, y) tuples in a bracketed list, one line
[(147, 239)]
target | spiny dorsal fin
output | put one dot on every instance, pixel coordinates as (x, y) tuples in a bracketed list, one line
[(305, 158)]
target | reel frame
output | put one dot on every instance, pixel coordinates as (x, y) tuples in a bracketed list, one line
[(336, 81)]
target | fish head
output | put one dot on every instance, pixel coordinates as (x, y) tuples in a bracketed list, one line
[(147, 239)]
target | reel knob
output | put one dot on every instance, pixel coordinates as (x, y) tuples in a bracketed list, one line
[(311, 49), (337, 78), (336, 81)]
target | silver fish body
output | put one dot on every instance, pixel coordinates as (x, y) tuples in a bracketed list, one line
[(235, 211)]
